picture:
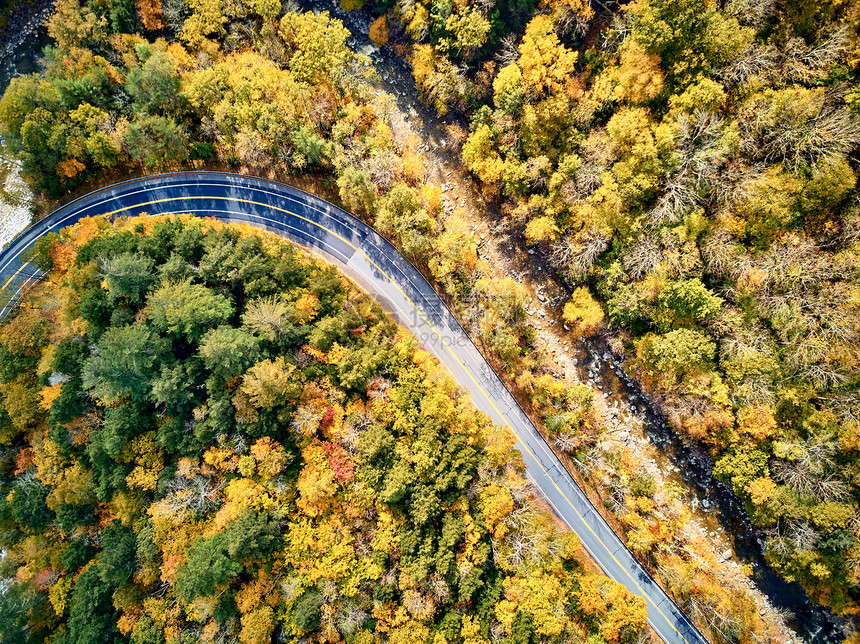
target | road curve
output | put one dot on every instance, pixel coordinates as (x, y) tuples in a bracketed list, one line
[(373, 262)]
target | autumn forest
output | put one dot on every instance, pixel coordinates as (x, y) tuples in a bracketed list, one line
[(208, 435)]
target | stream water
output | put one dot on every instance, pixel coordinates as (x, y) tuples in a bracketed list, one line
[(24, 57), (22, 39)]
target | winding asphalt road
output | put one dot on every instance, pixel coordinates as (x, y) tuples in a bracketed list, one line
[(374, 263)]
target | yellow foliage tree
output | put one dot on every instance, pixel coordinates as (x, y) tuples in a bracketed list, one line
[(21, 400), (436, 77), (317, 480), (546, 63), (761, 490), (149, 458), (541, 229), (583, 313), (239, 495), (496, 504), (541, 596), (258, 626), (74, 487), (757, 421), (49, 395), (272, 382), (59, 594), (455, 253), (615, 609), (481, 156), (379, 31), (640, 78), (270, 456), (207, 19)]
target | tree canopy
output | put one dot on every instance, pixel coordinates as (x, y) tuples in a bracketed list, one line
[(238, 466)]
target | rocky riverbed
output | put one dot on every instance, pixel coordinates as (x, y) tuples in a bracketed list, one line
[(713, 501), (20, 52), (21, 44), (15, 201), (22, 41)]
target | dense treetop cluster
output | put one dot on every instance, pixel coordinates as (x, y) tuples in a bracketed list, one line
[(207, 436)]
